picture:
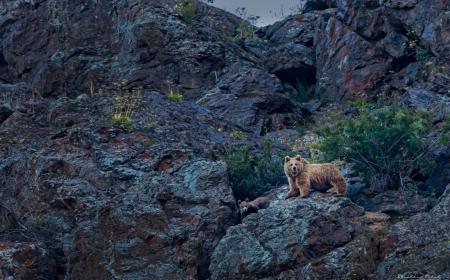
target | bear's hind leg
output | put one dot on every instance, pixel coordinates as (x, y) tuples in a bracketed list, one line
[(340, 186)]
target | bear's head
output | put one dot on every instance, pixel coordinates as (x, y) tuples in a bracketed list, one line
[(246, 207), (295, 165)]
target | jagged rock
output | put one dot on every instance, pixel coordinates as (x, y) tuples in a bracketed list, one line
[(402, 4), (5, 112), (137, 204), (292, 63), (84, 198), (296, 28), (309, 237), (26, 261), (397, 204), (440, 176), (313, 5), (144, 44), (418, 246), (437, 105), (347, 65), (251, 98)]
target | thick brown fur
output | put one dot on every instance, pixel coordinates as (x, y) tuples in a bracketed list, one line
[(303, 176), (247, 207)]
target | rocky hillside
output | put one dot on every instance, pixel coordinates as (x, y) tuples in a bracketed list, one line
[(115, 115)]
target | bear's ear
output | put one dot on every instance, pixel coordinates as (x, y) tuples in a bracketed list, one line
[(298, 157), (287, 158), (247, 200)]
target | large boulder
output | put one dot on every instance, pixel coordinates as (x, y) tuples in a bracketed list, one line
[(252, 99), (418, 247), (420, 99), (320, 237), (347, 65), (27, 261)]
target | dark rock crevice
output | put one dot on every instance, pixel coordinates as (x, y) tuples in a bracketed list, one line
[(402, 62), (293, 76)]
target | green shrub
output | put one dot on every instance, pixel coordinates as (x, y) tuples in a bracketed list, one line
[(252, 175), (238, 135), (186, 9), (175, 96), (122, 121), (386, 145)]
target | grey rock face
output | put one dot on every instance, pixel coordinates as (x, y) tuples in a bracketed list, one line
[(298, 237), (251, 98), (428, 101), (418, 246), (82, 197)]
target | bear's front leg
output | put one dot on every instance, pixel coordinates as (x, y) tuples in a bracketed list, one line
[(303, 185), (293, 191)]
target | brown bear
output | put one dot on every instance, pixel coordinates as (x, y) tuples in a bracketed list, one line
[(247, 207), (303, 175)]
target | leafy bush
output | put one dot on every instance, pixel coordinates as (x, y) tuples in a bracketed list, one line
[(252, 175), (386, 145), (186, 9)]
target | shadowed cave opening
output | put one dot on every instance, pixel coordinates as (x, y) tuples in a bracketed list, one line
[(401, 62), (3, 62)]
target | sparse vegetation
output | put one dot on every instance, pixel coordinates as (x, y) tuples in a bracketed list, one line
[(238, 135), (253, 175), (387, 145), (150, 142), (125, 106), (245, 31), (421, 52), (122, 121), (175, 96), (186, 9), (246, 28)]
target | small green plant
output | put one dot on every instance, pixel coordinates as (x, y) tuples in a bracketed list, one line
[(245, 31), (175, 96), (387, 145), (122, 121), (421, 52), (252, 175), (246, 28), (186, 9), (125, 106), (238, 135)]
